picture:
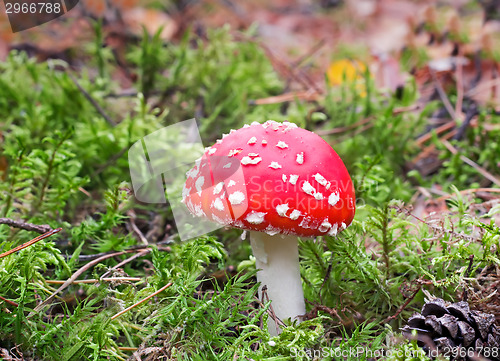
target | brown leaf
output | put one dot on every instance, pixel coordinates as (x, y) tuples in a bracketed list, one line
[(152, 20)]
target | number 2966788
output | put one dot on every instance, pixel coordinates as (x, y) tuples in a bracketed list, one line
[(33, 7)]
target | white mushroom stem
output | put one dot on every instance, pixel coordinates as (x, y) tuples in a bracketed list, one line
[(277, 258)]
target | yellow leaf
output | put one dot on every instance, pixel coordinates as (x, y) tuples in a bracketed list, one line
[(349, 71)]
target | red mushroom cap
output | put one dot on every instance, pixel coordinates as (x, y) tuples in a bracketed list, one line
[(275, 178)]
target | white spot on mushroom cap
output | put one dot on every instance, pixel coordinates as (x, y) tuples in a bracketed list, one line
[(193, 172), (333, 199), (320, 179), (233, 152), (252, 140), (264, 142), (231, 183), (293, 178), (274, 165), (211, 151), (283, 177), (282, 145), (190, 206), (305, 222), (255, 217), (343, 226), (295, 214), (220, 220), (289, 126), (246, 160), (226, 166), (272, 231), (255, 123), (199, 183), (218, 187), (282, 209), (217, 204), (300, 158), (252, 155), (185, 192), (325, 226), (308, 188), (198, 211), (236, 198), (333, 231), (239, 224)]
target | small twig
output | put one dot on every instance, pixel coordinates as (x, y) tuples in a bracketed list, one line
[(110, 161), (142, 301), (442, 95), (331, 311), (471, 113), (72, 279), (92, 101), (12, 303), (443, 128), (270, 310), (306, 95), (409, 108), (467, 274), (473, 164), (33, 241), (122, 348), (90, 257), (44, 228), (403, 306), (484, 85), (327, 276), (135, 229), (309, 53), (460, 88), (127, 260), (105, 279)]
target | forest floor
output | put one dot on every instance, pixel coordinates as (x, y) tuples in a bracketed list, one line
[(406, 92)]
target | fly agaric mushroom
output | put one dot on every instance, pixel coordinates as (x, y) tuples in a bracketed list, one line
[(293, 184)]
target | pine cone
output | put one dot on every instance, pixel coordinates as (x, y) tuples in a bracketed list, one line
[(455, 331)]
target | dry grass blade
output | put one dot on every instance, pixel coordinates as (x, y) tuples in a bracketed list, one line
[(307, 95), (92, 101), (469, 191), (33, 241), (142, 301), (347, 128), (73, 278), (105, 279)]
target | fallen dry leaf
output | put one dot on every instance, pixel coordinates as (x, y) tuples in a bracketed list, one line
[(152, 20), (387, 72)]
